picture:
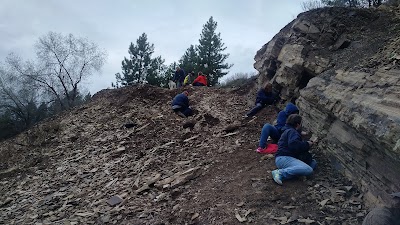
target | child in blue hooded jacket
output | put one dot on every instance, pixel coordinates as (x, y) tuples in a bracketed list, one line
[(180, 105), (275, 131), (265, 96), (293, 158)]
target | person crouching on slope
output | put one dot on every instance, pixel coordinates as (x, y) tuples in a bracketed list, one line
[(275, 131), (201, 80), (265, 97), (180, 104), (293, 158)]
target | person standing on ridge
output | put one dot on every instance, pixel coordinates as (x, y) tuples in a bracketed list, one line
[(179, 77), (201, 80), (265, 96)]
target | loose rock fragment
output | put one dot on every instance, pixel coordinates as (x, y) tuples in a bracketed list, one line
[(114, 200)]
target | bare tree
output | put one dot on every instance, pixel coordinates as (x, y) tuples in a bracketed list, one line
[(18, 98), (62, 63)]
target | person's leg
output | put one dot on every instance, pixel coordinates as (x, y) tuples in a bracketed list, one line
[(179, 111), (265, 132), (313, 164), (197, 84), (274, 134), (255, 110), (178, 84), (290, 167), (187, 112)]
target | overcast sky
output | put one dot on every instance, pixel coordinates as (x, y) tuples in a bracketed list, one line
[(171, 25)]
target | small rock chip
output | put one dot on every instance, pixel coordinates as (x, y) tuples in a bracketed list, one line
[(306, 221), (323, 202), (240, 204), (195, 216), (114, 200), (238, 217)]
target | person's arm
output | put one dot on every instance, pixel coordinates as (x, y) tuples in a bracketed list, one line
[(269, 98), (186, 101), (296, 144)]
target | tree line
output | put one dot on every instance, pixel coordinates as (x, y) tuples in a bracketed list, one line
[(51, 82), (208, 56)]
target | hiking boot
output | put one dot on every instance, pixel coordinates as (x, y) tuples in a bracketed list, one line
[(277, 177)]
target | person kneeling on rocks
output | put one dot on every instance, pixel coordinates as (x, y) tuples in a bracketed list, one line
[(180, 104), (293, 158), (275, 131)]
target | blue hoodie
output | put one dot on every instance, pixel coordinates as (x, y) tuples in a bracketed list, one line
[(265, 98), (284, 114), (291, 144), (182, 100)]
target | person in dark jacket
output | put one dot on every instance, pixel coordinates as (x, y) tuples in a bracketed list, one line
[(275, 131), (265, 97), (293, 158), (180, 104), (179, 77), (201, 80)]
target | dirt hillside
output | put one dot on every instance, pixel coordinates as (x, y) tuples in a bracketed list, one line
[(86, 167)]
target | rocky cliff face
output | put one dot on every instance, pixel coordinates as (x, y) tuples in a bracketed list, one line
[(342, 67)]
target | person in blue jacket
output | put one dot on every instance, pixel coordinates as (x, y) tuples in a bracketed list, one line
[(265, 96), (293, 158), (275, 131), (180, 104), (179, 77)]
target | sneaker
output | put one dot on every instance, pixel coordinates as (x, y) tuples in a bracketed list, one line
[(270, 149), (277, 177)]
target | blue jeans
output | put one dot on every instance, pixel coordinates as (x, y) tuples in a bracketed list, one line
[(255, 110), (268, 130), (290, 167), (179, 84)]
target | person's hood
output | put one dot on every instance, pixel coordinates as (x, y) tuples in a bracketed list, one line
[(291, 108)]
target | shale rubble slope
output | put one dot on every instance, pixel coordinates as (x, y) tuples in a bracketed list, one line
[(87, 167)]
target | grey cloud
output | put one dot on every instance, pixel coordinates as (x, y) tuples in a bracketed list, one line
[(172, 26)]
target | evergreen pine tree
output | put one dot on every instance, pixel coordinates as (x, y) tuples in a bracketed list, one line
[(140, 66), (211, 59), (189, 61)]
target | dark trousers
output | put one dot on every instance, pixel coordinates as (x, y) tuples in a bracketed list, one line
[(198, 84), (186, 111), (255, 110)]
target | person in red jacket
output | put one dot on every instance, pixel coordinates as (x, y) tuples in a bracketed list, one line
[(201, 80)]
